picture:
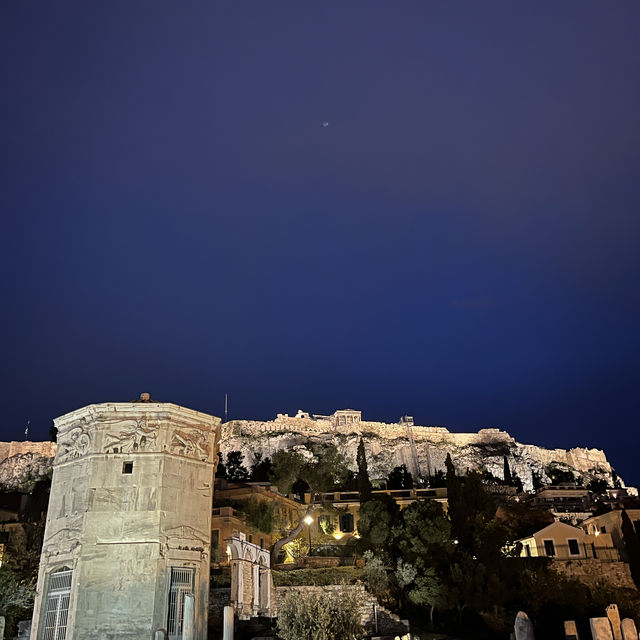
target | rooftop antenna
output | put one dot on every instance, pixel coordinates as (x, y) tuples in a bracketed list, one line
[(26, 431), (226, 408)]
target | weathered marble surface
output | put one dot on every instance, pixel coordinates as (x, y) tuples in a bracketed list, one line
[(523, 627), (601, 629), (614, 618), (570, 630), (629, 631), (122, 529)]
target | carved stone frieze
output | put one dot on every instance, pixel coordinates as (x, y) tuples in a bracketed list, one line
[(192, 443), (133, 435), (73, 444)]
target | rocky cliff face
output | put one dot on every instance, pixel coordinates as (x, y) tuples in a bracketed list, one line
[(21, 471), (422, 449)]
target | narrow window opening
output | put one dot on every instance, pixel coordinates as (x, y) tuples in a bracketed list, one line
[(574, 548), (549, 548), (127, 467)]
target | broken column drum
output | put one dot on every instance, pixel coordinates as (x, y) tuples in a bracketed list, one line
[(128, 530)]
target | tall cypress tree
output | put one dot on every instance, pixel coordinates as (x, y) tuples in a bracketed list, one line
[(364, 483), (508, 480), (456, 509)]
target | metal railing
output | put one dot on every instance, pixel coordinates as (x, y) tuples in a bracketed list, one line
[(580, 551)]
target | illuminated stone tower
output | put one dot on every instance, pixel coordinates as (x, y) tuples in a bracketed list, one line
[(128, 530)]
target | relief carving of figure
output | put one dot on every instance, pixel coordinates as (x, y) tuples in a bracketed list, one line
[(193, 443), (74, 445), (138, 437)]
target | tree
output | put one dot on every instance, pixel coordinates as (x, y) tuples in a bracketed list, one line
[(536, 481), (364, 483), (236, 471), (326, 470), (632, 546), (400, 478), (438, 479), (377, 518), (507, 473), (260, 514), (16, 596), (516, 482), (328, 616), (261, 469), (559, 475), (375, 574), (616, 481), (221, 470), (598, 486)]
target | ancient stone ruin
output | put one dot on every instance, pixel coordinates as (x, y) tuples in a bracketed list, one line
[(128, 531)]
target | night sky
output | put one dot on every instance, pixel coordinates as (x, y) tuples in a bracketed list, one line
[(460, 243)]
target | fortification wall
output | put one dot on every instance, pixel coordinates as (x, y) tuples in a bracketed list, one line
[(388, 445), (8, 449)]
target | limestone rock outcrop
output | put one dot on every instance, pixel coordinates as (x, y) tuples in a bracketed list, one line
[(422, 449), (22, 464)]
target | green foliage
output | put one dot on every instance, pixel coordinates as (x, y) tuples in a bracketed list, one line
[(261, 469), (400, 478), (220, 577), (632, 546), (287, 468), (507, 472), (260, 514), (327, 525), (522, 519), (438, 479), (236, 471), (559, 475), (426, 562), (616, 481), (317, 577), (326, 471), (16, 597), (221, 470), (598, 486), (536, 481), (377, 517), (329, 616), (364, 483), (375, 574)]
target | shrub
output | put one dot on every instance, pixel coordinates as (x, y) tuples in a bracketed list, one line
[(329, 616), (316, 577)]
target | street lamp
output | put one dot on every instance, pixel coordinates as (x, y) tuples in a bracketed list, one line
[(309, 520)]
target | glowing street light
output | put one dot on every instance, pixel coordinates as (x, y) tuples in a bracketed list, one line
[(308, 519)]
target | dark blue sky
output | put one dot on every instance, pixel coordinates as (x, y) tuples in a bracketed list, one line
[(460, 243)]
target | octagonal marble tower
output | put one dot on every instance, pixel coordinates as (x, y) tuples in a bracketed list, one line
[(128, 529)]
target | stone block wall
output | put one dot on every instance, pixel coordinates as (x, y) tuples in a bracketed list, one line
[(9, 449), (591, 572)]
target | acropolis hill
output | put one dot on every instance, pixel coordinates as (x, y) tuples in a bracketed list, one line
[(422, 449)]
